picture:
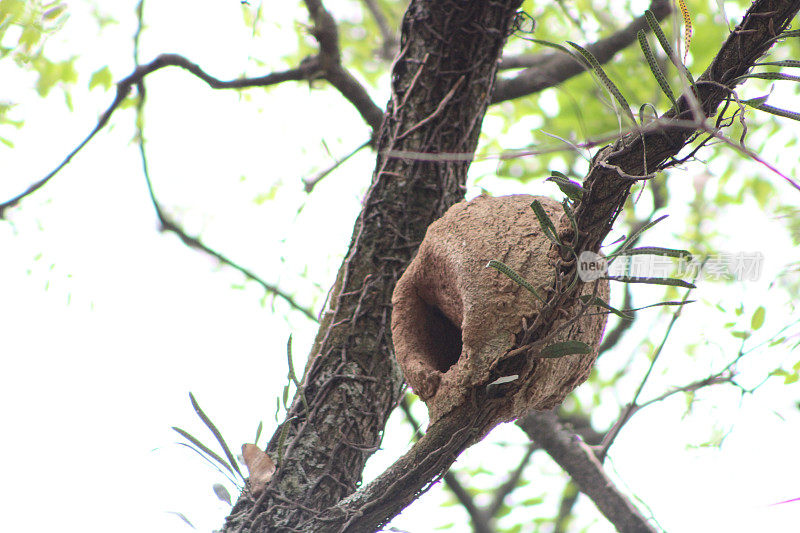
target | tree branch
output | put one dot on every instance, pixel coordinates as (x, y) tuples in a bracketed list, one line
[(578, 460), (479, 519), (549, 69), (326, 33), (124, 87)]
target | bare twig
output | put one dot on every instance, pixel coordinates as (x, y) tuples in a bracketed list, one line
[(511, 483), (169, 224), (310, 183), (125, 86)]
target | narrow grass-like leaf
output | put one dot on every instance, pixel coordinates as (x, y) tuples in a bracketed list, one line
[(217, 435), (560, 349), (599, 302), (258, 432), (579, 58), (659, 304), (655, 69), (548, 228), (182, 517), (519, 280), (205, 449), (572, 189), (293, 376), (282, 440), (664, 42), (570, 215), (784, 63), (605, 80), (784, 35), (569, 143), (768, 76), (794, 115), (654, 250), (687, 27), (674, 282), (635, 235)]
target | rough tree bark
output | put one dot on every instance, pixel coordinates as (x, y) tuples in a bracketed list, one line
[(441, 85), (442, 82)]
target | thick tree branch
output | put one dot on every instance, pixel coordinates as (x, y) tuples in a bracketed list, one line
[(552, 68), (479, 519), (578, 460)]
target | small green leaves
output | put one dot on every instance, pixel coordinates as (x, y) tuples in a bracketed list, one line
[(605, 80), (102, 78), (655, 69), (572, 189), (757, 319), (674, 282), (560, 349), (519, 280)]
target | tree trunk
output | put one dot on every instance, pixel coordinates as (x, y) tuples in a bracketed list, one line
[(441, 85)]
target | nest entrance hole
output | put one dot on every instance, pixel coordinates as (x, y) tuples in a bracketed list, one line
[(444, 339)]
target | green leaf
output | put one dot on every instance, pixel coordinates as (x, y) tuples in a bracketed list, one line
[(519, 280), (758, 103), (653, 250), (768, 76), (673, 282), (548, 228), (101, 77), (757, 319), (204, 448), (599, 302), (598, 70), (784, 63), (258, 432), (664, 42), (560, 349), (635, 235), (217, 435), (655, 69), (741, 334)]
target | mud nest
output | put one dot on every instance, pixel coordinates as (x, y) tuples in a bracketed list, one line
[(453, 318)]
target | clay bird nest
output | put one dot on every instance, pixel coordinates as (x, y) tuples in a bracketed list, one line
[(453, 317)]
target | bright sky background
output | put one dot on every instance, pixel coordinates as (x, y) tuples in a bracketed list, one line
[(107, 324)]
